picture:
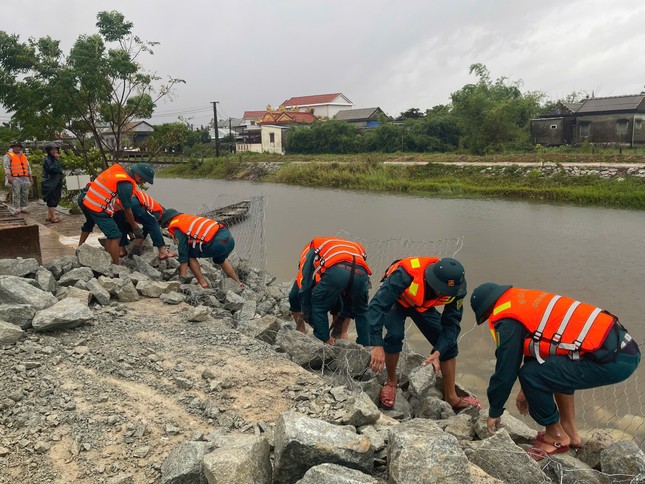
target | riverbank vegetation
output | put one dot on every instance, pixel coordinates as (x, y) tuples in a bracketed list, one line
[(450, 176)]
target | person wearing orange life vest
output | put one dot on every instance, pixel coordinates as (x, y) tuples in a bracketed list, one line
[(146, 211), (18, 173), (199, 237), (414, 287), (565, 345), (115, 184), (340, 324), (334, 268)]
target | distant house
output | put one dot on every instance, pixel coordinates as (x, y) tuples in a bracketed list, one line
[(615, 121), (273, 126), (320, 105), (133, 134), (362, 117)]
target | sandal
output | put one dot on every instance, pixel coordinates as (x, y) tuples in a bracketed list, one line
[(465, 402), (540, 438), (388, 395), (537, 453)]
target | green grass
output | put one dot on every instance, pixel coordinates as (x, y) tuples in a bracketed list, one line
[(367, 172)]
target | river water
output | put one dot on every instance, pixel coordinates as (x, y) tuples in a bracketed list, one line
[(591, 254)]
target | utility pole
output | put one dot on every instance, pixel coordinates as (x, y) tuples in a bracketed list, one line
[(214, 103)]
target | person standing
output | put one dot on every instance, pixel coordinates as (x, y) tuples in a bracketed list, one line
[(555, 345), (199, 237), (111, 185), (335, 269), (414, 287), (52, 181), (18, 172)]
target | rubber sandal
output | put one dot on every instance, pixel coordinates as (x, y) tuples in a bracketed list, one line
[(537, 453), (388, 396), (540, 438), (465, 402)]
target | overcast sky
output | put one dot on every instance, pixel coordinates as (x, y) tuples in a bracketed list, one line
[(395, 55)]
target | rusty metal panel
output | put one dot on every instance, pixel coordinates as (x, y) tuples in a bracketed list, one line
[(17, 239)]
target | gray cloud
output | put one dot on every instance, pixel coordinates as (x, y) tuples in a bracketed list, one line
[(395, 55)]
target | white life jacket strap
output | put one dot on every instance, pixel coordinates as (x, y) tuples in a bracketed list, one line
[(537, 336)]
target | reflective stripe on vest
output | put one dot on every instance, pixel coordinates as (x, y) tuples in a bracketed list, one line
[(558, 325), (330, 251), (198, 229), (414, 294), (101, 193), (19, 164), (301, 263)]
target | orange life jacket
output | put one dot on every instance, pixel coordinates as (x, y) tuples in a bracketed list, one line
[(558, 325), (19, 164), (146, 201), (198, 229), (414, 295), (101, 194), (332, 250), (303, 257)]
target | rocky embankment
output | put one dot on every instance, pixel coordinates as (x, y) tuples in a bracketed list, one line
[(120, 374)]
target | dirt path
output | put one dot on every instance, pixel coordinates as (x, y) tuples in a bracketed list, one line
[(115, 397)]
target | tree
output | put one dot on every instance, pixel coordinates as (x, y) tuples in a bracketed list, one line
[(412, 113), (97, 89), (494, 115)]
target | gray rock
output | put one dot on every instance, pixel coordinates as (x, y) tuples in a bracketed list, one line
[(109, 284), (68, 313), (184, 464), (302, 442), (121, 478), (233, 302), (265, 328), (98, 291), (10, 333), (125, 291), (72, 277), (566, 469), (419, 451), (519, 432), (349, 358), (45, 280), (74, 292), (144, 268), (149, 288), (433, 408), (14, 290), (246, 312), (377, 438), (335, 474), (18, 267), (499, 457), (402, 409), (242, 459), (18, 314), (422, 381), (477, 475), (461, 426), (360, 410), (304, 350), (199, 314), (623, 458), (95, 258), (591, 450), (408, 360), (55, 267), (372, 388), (172, 297)]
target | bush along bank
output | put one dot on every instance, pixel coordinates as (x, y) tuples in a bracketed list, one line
[(611, 185), (122, 374)]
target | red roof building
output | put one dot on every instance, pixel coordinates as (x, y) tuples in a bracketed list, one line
[(321, 105)]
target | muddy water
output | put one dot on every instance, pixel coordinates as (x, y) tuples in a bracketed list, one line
[(592, 254)]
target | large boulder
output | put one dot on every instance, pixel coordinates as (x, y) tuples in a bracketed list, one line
[(144, 268), (19, 314), (302, 442), (360, 410), (349, 358), (335, 474), (98, 291), (18, 267), (68, 313), (243, 459), (590, 452), (501, 458), (419, 451), (72, 277), (46, 280), (625, 459), (14, 290), (566, 469), (304, 350), (125, 291), (184, 464), (95, 258), (10, 333), (265, 328), (519, 432), (422, 381)]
